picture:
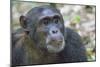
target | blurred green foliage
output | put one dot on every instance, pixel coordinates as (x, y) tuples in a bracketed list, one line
[(77, 19)]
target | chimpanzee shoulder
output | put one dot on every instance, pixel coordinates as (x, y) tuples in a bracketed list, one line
[(74, 50), (16, 35)]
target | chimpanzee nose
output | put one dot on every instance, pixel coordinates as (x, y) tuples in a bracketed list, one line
[(54, 31)]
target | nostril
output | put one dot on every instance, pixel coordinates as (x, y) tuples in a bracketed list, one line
[(54, 32)]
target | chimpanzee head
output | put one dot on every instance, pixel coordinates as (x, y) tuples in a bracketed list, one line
[(45, 26)]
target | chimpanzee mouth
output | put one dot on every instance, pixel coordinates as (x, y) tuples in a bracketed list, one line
[(56, 43), (55, 46)]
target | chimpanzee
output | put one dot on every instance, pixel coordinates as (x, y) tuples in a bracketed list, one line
[(43, 39)]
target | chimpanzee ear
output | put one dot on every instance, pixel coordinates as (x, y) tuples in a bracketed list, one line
[(23, 21)]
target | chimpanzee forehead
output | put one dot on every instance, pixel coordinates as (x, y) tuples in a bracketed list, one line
[(47, 8), (42, 11), (48, 12)]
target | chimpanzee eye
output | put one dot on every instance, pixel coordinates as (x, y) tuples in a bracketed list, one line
[(45, 22), (56, 20)]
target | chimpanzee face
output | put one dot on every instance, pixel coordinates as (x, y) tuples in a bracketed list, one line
[(49, 28)]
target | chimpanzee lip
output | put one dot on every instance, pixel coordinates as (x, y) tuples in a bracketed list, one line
[(56, 48), (55, 42)]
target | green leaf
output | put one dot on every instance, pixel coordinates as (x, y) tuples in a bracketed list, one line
[(77, 19)]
